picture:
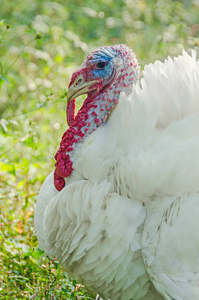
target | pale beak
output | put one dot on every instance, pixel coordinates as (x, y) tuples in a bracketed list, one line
[(80, 87)]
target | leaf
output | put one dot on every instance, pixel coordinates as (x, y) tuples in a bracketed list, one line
[(23, 139), (1, 66), (38, 105), (7, 167), (31, 30), (37, 253), (13, 122), (3, 122), (1, 83), (2, 22), (4, 78)]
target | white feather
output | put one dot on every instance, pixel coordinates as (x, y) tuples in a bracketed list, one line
[(143, 162)]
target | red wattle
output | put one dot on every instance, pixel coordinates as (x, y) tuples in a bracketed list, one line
[(70, 112), (59, 181), (74, 134), (64, 165)]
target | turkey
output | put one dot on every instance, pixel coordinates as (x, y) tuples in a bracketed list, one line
[(121, 209)]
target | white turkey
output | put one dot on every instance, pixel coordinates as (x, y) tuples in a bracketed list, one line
[(121, 210)]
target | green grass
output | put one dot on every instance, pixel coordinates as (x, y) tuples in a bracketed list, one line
[(41, 44)]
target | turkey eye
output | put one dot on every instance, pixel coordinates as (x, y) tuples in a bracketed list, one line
[(101, 65)]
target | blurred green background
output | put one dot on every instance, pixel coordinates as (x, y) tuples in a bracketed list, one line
[(41, 44)]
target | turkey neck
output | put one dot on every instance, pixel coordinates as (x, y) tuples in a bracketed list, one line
[(93, 113)]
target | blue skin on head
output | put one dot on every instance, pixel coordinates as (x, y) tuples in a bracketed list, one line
[(106, 56)]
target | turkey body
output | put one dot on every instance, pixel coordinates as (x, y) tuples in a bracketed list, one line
[(126, 222)]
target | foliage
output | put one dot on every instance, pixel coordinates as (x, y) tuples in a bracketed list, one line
[(41, 44)]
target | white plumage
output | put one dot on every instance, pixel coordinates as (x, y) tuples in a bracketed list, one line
[(126, 223)]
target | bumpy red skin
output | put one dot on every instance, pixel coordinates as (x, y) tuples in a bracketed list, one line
[(63, 165), (70, 112)]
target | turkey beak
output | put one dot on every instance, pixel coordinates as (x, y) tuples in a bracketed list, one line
[(79, 87)]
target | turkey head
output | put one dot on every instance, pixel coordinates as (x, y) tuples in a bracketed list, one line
[(105, 73)]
